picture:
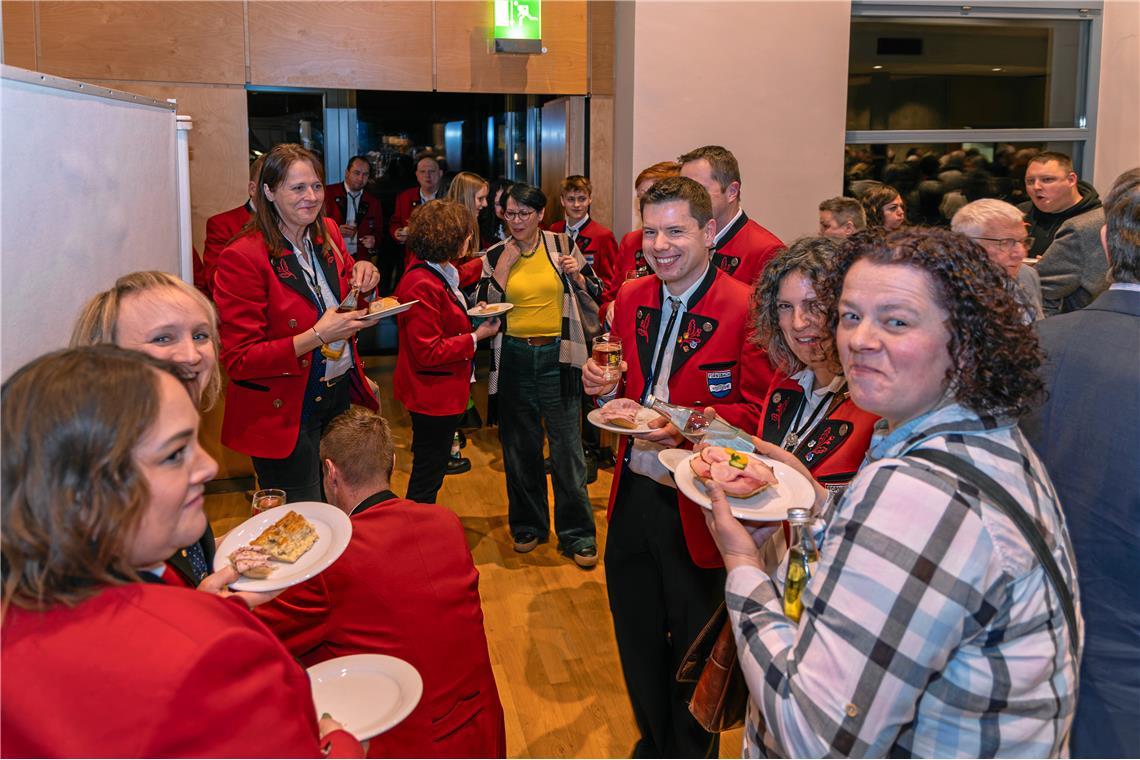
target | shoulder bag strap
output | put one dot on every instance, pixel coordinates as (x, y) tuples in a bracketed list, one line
[(1021, 519)]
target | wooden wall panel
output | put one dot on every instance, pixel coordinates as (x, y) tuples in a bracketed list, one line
[(361, 45), (466, 61), (143, 41), (601, 38), (601, 149), (19, 34)]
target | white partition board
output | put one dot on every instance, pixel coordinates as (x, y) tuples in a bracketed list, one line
[(88, 192)]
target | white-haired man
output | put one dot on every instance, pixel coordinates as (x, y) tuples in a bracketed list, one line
[(999, 228)]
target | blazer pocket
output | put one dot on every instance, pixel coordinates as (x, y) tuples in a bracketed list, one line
[(465, 710), (717, 366), (433, 372), (249, 385)]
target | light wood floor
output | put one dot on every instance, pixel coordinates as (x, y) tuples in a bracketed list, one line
[(548, 622)]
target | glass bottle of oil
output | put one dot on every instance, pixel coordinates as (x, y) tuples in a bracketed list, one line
[(802, 560)]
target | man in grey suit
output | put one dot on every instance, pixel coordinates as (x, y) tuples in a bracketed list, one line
[(1088, 435), (1065, 217)]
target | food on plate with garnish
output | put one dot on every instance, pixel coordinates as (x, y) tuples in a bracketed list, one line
[(739, 474), (621, 412), (288, 538), (252, 562)]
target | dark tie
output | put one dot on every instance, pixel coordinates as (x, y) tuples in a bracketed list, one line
[(675, 303), (197, 559)]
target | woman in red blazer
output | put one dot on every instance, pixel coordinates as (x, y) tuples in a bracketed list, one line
[(291, 357), (437, 343), (103, 478), (807, 410)]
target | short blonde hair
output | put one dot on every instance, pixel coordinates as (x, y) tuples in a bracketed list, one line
[(359, 443), (98, 321)]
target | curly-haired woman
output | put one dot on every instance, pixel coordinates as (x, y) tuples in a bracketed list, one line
[(930, 627), (885, 208)]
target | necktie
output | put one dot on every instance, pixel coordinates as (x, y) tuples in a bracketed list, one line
[(675, 304), (197, 559)]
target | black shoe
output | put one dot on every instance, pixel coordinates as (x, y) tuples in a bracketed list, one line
[(457, 465), (546, 465), (462, 439), (586, 557), (525, 541)]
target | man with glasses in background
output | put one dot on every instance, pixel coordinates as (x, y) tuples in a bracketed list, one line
[(1065, 217), (999, 228)]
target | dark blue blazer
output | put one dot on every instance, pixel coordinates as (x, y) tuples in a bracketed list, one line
[(1088, 435)]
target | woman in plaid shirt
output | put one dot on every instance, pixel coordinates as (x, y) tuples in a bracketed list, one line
[(930, 628)]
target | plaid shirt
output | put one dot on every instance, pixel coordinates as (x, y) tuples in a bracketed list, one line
[(929, 629)]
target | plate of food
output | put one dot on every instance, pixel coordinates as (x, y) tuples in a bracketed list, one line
[(490, 310), (367, 693), (622, 415), (758, 488), (386, 307), (284, 546)]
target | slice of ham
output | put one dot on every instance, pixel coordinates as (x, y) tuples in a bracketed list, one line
[(715, 464), (620, 412), (252, 562)]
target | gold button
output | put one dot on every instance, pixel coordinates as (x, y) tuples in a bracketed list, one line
[(304, 362), (318, 399), (292, 323), (277, 403), (851, 710)]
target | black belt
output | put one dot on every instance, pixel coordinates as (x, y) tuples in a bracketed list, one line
[(335, 381), (541, 340)]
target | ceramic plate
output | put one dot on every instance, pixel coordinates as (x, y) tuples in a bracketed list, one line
[(770, 505), (490, 310), (368, 693), (642, 419), (376, 316)]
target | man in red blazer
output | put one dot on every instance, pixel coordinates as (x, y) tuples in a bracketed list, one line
[(357, 211), (596, 242), (741, 246), (224, 227), (428, 179), (687, 341), (405, 586)]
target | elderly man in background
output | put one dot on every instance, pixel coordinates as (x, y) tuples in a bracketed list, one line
[(1065, 217), (1087, 436), (841, 217), (999, 228), (405, 586)]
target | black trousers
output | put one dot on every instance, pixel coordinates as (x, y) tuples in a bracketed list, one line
[(431, 448), (659, 601), (299, 474)]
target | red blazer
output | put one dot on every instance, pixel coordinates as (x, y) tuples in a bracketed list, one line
[(714, 350), (745, 250), (628, 259), (835, 446), (598, 245), (262, 304), (199, 269), (405, 587), (147, 670), (220, 230), (406, 202), (369, 214), (433, 366)]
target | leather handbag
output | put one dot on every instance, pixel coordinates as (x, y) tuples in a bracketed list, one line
[(720, 697)]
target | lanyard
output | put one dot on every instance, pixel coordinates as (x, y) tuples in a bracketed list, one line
[(651, 381), (793, 438)]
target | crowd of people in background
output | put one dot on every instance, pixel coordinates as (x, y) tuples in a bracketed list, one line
[(950, 360)]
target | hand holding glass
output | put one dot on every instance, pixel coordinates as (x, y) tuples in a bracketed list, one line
[(607, 355)]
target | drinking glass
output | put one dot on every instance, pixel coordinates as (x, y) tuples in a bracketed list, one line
[(607, 354), (266, 498)]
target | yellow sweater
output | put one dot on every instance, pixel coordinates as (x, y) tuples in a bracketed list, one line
[(535, 289)]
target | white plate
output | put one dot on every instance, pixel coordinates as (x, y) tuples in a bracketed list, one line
[(368, 693), (376, 316), (490, 310), (333, 527), (770, 505), (672, 458), (642, 419)]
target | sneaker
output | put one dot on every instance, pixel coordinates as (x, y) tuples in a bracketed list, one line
[(525, 541), (457, 465), (587, 556)]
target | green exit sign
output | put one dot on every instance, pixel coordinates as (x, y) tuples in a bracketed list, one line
[(518, 26)]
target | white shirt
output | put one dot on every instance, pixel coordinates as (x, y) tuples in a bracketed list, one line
[(643, 457), (351, 205), (333, 368), (573, 229), (727, 227), (812, 399)]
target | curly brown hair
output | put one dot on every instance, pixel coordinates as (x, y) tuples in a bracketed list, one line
[(810, 256), (437, 231), (874, 199), (994, 353)]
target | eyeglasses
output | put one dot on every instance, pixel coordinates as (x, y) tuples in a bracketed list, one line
[(521, 216), (1043, 181), (1005, 245)]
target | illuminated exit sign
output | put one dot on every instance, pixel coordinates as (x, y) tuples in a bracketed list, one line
[(518, 26)]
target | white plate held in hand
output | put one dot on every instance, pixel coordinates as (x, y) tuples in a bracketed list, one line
[(368, 693), (770, 505), (333, 527), (642, 420), (392, 311), (490, 310)]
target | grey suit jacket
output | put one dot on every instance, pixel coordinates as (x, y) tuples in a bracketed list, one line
[(1073, 268), (1088, 436)]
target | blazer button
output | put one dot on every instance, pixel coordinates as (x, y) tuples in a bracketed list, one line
[(292, 323), (304, 362), (318, 399), (277, 403)]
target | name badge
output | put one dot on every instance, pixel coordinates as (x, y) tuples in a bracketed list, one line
[(719, 382)]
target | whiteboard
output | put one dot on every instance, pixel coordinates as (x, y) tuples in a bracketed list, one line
[(89, 191)]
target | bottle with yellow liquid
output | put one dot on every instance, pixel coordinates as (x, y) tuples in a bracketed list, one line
[(802, 560)]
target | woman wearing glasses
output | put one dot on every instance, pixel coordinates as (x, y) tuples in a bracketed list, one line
[(999, 229), (535, 376)]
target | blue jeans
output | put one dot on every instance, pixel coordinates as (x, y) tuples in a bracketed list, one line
[(530, 395)]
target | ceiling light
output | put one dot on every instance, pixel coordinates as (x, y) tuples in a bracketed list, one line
[(877, 66), (996, 68)]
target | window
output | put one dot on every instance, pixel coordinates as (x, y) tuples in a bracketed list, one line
[(978, 87)]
